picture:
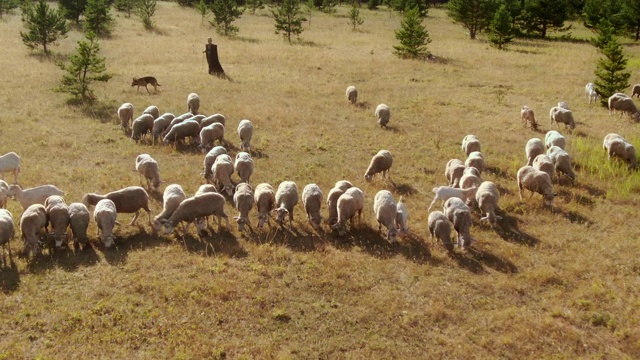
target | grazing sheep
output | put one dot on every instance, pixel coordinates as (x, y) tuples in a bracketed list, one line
[(454, 171), (160, 125), (402, 216), (383, 114), (105, 215), (440, 228), (210, 158), (193, 103), (171, 198), (148, 168), (635, 90), (349, 205), (613, 99), (209, 134), (625, 105), (527, 116), (562, 161), (487, 198), (4, 187), (385, 208), (470, 178), (176, 120), (128, 200), (591, 93), (332, 204), (554, 138), (222, 170), (244, 166), (564, 105), (543, 163), (153, 111), (245, 131), (535, 181), (58, 216), (286, 200), (352, 95), (125, 114), (79, 218), (32, 220), (343, 185), (36, 195), (185, 129), (215, 118), (7, 232), (197, 207), (141, 126), (470, 143), (312, 202), (533, 148), (10, 162), (616, 145), (206, 188), (380, 162), (197, 118), (562, 115), (476, 160), (460, 216), (265, 199), (446, 192), (243, 200)]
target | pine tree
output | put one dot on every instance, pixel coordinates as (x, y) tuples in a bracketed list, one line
[(611, 76), (254, 5), (500, 30), (97, 17), (540, 16), (605, 32), (202, 9), (7, 5), (288, 18), (72, 9), (474, 15), (44, 26), (413, 36), (146, 9), (225, 12), (84, 68), (354, 16), (125, 6)]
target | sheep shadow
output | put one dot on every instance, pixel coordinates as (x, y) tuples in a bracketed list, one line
[(118, 254), (573, 216), (391, 128), (504, 190), (493, 261), (9, 278), (404, 189), (507, 229), (364, 105), (579, 199), (298, 238), (214, 243), (258, 154), (498, 172)]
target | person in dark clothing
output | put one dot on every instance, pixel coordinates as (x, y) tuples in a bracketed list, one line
[(211, 51)]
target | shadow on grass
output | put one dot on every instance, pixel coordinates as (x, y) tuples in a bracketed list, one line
[(9, 277), (580, 199), (101, 110), (404, 189), (573, 216), (363, 105), (245, 39), (498, 172), (508, 230), (495, 262), (51, 57)]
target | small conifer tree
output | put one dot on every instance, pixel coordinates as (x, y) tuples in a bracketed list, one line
[(288, 18), (354, 16), (225, 12), (611, 76), (7, 5), (203, 9), (44, 24), (97, 17), (413, 36), (125, 6), (500, 29), (254, 5), (146, 9)]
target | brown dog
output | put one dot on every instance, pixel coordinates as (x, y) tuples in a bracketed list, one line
[(144, 81)]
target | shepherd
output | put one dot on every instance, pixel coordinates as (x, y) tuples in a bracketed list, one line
[(211, 51)]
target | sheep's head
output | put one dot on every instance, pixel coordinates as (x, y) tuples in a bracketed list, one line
[(315, 221), (201, 226), (391, 234), (262, 217), (108, 240), (340, 227), (169, 226), (229, 190), (368, 176), (630, 155), (242, 221), (281, 213), (548, 198)]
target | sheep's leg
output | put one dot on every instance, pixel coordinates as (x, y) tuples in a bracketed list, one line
[(149, 216), (135, 218), (291, 219), (433, 202)]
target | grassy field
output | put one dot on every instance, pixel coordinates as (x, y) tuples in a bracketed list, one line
[(561, 283)]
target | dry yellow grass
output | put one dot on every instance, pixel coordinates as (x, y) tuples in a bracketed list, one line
[(560, 283)]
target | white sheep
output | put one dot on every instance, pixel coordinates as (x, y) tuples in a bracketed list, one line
[(147, 168), (186, 129), (554, 138), (210, 158), (635, 90), (7, 231), (79, 218), (193, 103), (221, 170), (613, 99), (265, 199), (562, 161), (470, 178), (625, 105), (125, 114), (380, 163), (197, 207), (4, 187), (209, 134), (446, 192), (562, 115), (10, 162), (402, 217), (141, 126), (215, 118), (58, 216), (616, 145), (206, 188), (454, 171), (487, 198), (176, 120), (153, 111), (33, 219), (105, 216), (564, 105), (128, 200), (528, 117), (348, 206), (160, 125), (197, 118), (476, 160), (385, 208), (243, 200), (286, 200), (591, 93), (35, 195), (533, 148), (440, 228), (343, 185), (332, 204), (543, 163), (245, 132), (535, 181), (460, 216), (171, 198), (470, 143), (312, 201), (383, 114), (244, 166), (352, 95)]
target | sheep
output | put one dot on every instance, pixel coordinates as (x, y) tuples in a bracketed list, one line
[(171, 198), (160, 125), (79, 218), (185, 129), (563, 105), (624, 105), (244, 166), (454, 171), (380, 162), (222, 170), (533, 148), (527, 116), (197, 118), (383, 114), (215, 118), (440, 228), (535, 181), (210, 158), (460, 216), (543, 163), (58, 216), (177, 120), (105, 216), (193, 103), (7, 231), (196, 207), (352, 95), (245, 131), (332, 204), (148, 168), (562, 115), (125, 114), (153, 111), (32, 220), (312, 201), (487, 198), (36, 195), (243, 200), (470, 143), (343, 185), (446, 192), (470, 178), (265, 199), (554, 138), (635, 90), (476, 160), (591, 93), (402, 215), (613, 99), (141, 126), (206, 188), (385, 208), (562, 161), (128, 200), (10, 162), (209, 134), (349, 205), (286, 200), (4, 187), (616, 145)]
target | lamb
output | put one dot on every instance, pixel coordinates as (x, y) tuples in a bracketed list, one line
[(7, 231), (193, 103), (554, 138), (36, 195), (470, 178), (476, 160), (635, 90), (210, 158), (148, 168), (591, 93), (243, 200), (383, 114), (624, 105), (286, 200), (32, 220), (402, 215), (79, 218), (10, 162), (128, 200), (245, 131), (244, 166), (446, 192), (105, 215), (616, 145), (533, 148), (460, 216), (4, 187), (209, 134), (385, 208), (543, 163), (141, 126), (58, 216), (440, 227), (161, 124), (562, 115), (527, 116), (125, 114), (487, 198), (312, 201), (454, 171), (196, 207), (352, 95), (535, 181), (265, 199), (153, 111), (349, 205), (215, 118), (343, 185), (470, 143), (185, 129), (562, 161), (171, 198), (381, 162), (222, 170)]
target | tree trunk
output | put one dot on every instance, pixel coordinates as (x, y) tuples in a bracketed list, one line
[(637, 32)]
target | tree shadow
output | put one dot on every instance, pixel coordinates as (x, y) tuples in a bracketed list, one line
[(51, 57), (507, 229), (245, 39)]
